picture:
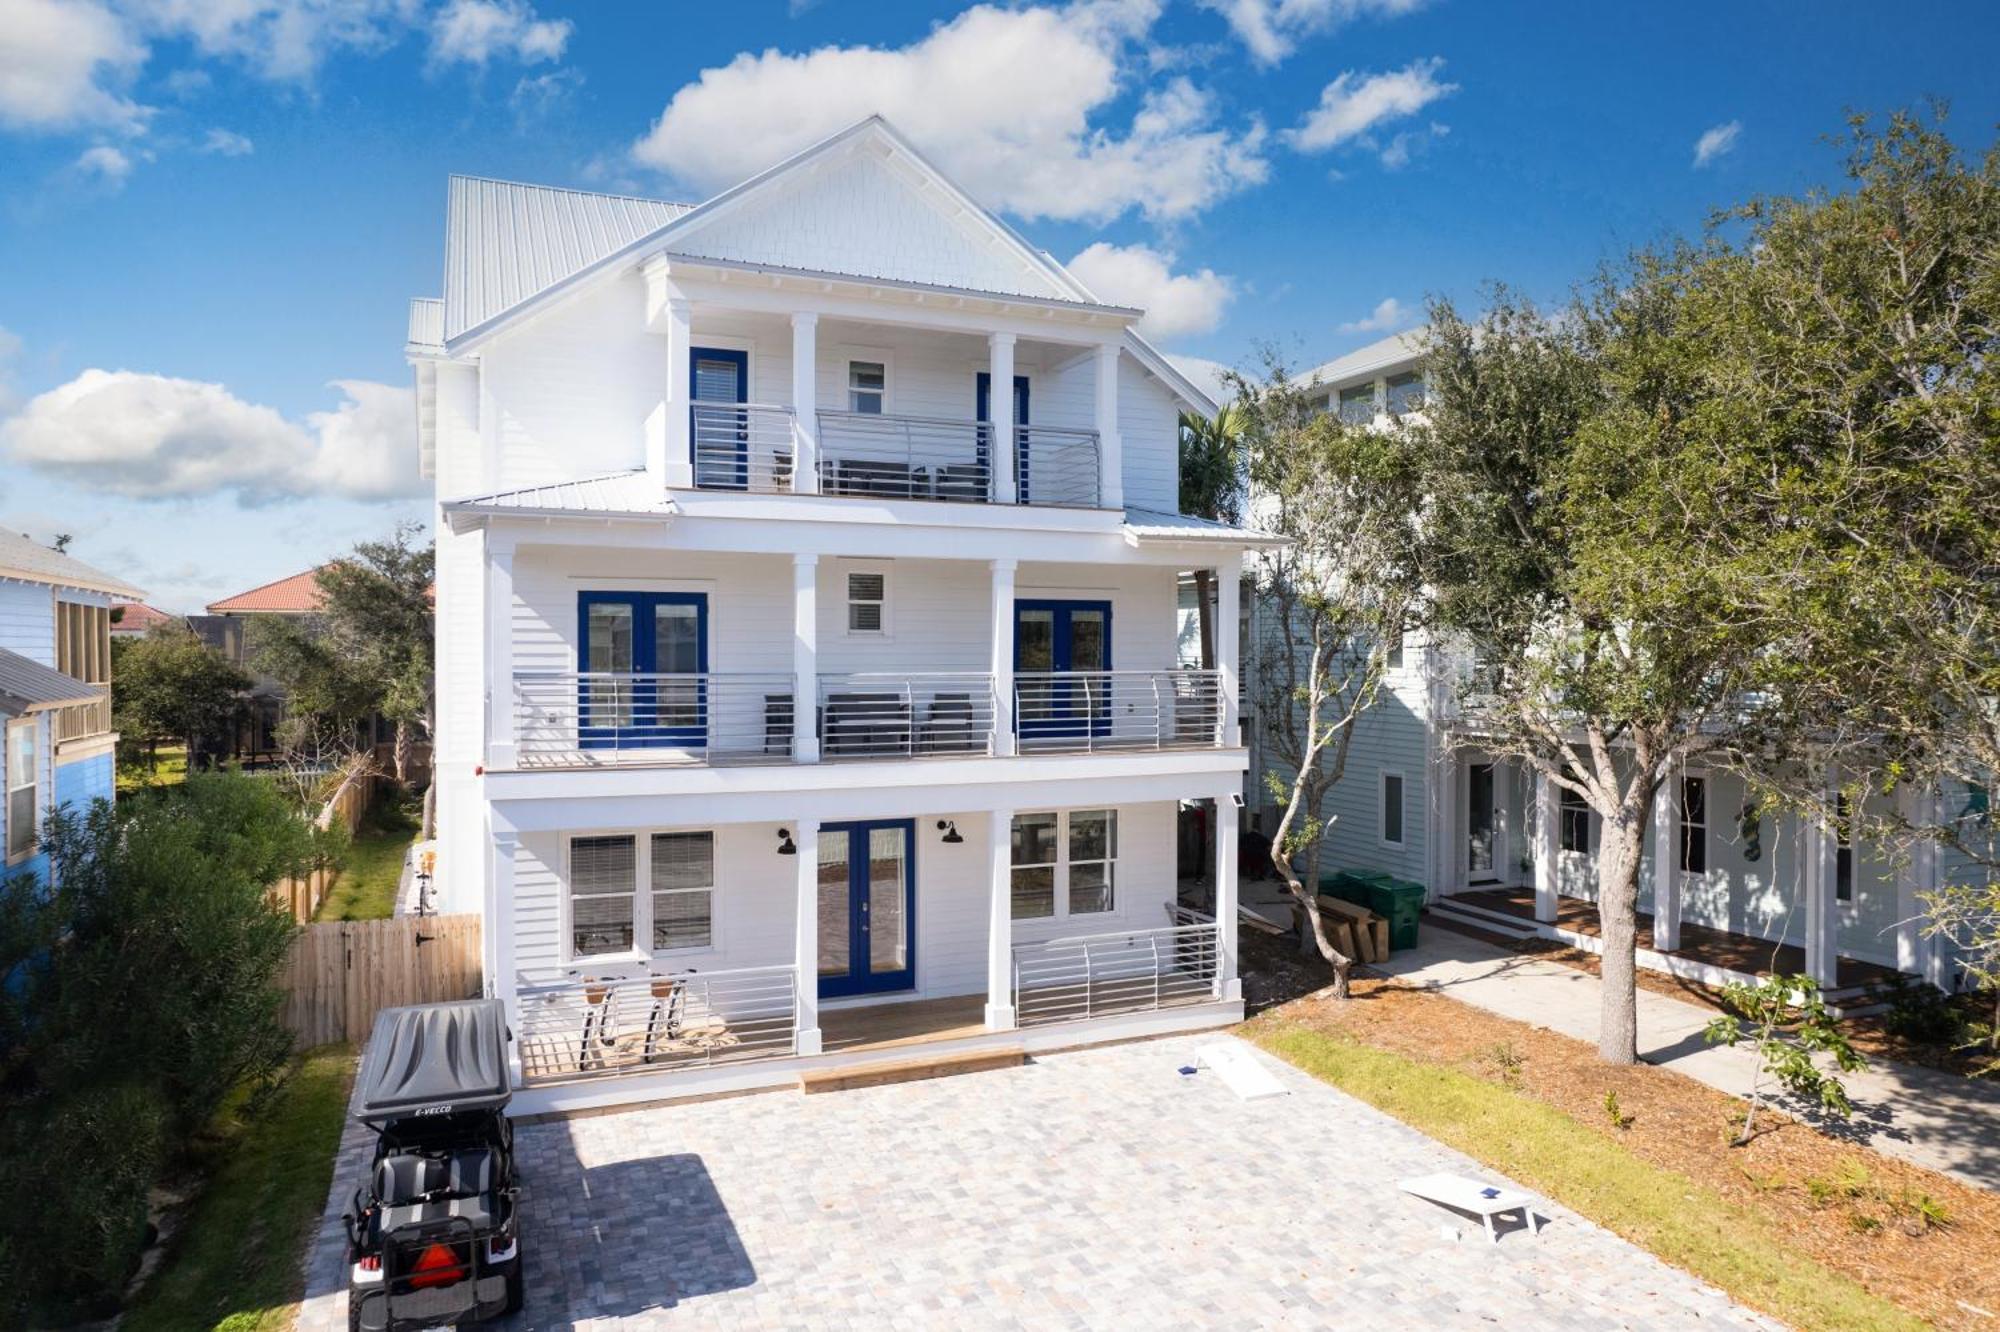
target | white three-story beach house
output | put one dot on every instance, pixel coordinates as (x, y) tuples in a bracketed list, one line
[(806, 603)]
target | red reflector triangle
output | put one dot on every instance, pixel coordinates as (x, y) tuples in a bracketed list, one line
[(436, 1266)]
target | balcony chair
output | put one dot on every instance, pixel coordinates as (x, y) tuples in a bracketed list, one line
[(949, 727), (962, 483), (871, 725)]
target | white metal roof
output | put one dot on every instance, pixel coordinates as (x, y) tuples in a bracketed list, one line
[(28, 686), (32, 562), (506, 242), (633, 494), (427, 324), (1398, 349), (1142, 525)]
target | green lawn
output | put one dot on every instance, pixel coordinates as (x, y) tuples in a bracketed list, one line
[(1685, 1223), (373, 865), (169, 769), (238, 1262)]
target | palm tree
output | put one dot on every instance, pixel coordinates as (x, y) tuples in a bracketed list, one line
[(1212, 454)]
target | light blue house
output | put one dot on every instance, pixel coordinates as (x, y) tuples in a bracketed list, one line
[(55, 692)]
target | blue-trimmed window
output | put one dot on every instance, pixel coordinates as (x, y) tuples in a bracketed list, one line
[(642, 658)]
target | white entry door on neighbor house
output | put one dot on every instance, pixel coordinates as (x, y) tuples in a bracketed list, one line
[(1482, 824)]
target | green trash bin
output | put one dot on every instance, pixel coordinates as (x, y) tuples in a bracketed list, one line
[(1399, 902), (1348, 885)]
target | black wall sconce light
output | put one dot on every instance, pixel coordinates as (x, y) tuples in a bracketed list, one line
[(950, 831), (785, 845)]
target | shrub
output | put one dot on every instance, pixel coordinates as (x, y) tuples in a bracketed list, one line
[(1786, 1021), (1922, 1015), (138, 990)]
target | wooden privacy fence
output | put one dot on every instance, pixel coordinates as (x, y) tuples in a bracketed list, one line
[(341, 973), (302, 896)]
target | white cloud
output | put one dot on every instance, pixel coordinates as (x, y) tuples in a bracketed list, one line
[(62, 63), (227, 143), (147, 436), (10, 348), (104, 165), (1137, 275), (1272, 29), (477, 31), (1353, 105), (1001, 98), (279, 39), (1212, 377), (1389, 313), (538, 96), (1715, 142)]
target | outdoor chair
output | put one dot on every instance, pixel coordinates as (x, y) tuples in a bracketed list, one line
[(866, 725), (949, 727)]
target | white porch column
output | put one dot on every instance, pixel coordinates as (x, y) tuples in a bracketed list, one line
[(805, 658), (1667, 862), (1000, 920), (1228, 640), (502, 970), (1909, 882), (1110, 450), (678, 463), (805, 403), (1548, 843), (1822, 914), (1000, 408), (1002, 667), (806, 934), (500, 652), (1228, 823)]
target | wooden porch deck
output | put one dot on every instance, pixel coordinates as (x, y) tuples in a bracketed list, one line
[(1737, 952)]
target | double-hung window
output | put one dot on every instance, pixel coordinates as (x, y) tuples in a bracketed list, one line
[(1357, 404), (1065, 864), (1392, 808), (867, 602), (1694, 825), (1575, 821), (609, 915), (867, 387), (23, 767)]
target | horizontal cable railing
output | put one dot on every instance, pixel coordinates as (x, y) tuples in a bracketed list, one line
[(1058, 467), (584, 1027), (1099, 975), (564, 718), (743, 446), (1099, 710), (945, 458), (879, 715)]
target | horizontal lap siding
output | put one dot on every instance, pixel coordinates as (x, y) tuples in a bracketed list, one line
[(28, 621), (1388, 737), (1149, 435)]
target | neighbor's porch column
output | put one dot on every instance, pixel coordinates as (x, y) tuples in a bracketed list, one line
[(1228, 643), (1548, 841), (1228, 822), (1822, 947), (805, 658), (1916, 874), (500, 651), (806, 934), (1000, 920), (1110, 450), (1002, 667), (1667, 862), (805, 403), (1000, 411)]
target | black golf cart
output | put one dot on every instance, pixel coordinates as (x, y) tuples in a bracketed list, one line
[(433, 1237)]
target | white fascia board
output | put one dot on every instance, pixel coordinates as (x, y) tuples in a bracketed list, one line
[(1165, 371), (552, 801)]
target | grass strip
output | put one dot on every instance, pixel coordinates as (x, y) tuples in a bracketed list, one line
[(372, 867), (1682, 1222), (237, 1265)]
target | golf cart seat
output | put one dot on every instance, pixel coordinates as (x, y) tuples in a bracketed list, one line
[(413, 1188)]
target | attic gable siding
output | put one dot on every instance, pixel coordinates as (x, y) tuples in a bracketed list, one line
[(865, 218), (28, 621)]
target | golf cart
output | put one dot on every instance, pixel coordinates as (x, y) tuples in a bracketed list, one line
[(433, 1236)]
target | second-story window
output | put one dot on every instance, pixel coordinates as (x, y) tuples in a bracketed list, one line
[(1357, 404), (867, 603), (1406, 393), (21, 768), (867, 387)]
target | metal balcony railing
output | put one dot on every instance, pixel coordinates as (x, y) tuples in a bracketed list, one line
[(1097, 975), (878, 715), (567, 719), (579, 1026), (944, 458), (1107, 710), (743, 446)]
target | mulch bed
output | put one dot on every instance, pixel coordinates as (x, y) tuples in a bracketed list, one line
[(1846, 1206)]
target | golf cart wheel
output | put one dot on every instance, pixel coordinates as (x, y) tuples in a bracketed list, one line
[(353, 1313)]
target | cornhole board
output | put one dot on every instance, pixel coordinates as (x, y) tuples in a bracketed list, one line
[(1484, 1201), (1239, 1071)]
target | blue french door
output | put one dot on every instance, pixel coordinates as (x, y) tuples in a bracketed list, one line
[(867, 907), (983, 410), (1056, 638), (642, 658), (720, 438)]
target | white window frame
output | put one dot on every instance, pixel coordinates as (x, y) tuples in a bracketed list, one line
[(1683, 825), (871, 355), (1402, 808), (642, 898), (847, 603), (31, 727), (1061, 866), (714, 877)]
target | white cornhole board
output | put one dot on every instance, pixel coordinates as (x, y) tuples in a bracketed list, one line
[(1484, 1201), (1238, 1070)]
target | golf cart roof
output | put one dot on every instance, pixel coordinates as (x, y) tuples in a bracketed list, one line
[(435, 1059)]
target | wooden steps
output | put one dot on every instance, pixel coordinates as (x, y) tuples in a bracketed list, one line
[(910, 1070)]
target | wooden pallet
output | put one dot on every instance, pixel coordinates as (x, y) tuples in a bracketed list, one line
[(910, 1070), (1354, 930)]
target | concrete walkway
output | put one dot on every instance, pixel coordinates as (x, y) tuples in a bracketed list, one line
[(1936, 1120)]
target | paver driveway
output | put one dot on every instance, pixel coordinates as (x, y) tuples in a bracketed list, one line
[(1099, 1188)]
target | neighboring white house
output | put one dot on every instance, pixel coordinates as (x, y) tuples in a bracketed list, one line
[(1510, 855), (797, 693)]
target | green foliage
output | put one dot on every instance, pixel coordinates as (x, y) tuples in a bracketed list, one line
[(1922, 1015), (1786, 1022), (1212, 461), (140, 990), (1615, 1113), (371, 865), (169, 686)]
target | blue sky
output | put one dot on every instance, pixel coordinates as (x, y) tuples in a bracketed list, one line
[(212, 215)]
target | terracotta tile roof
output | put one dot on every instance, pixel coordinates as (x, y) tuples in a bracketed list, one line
[(138, 617), (296, 595)]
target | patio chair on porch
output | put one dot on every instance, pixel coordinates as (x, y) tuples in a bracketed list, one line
[(866, 725), (949, 726)]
